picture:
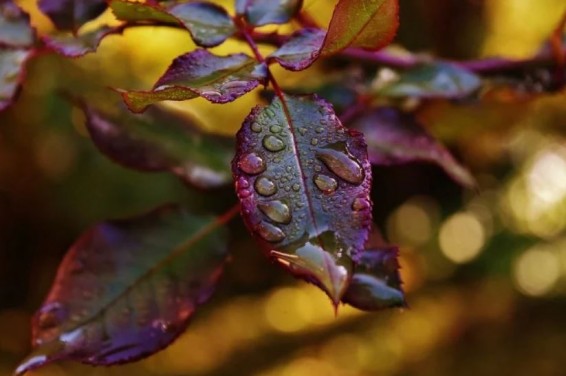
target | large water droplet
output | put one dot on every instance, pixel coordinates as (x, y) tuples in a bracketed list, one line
[(275, 129), (251, 164), (342, 164), (277, 211), (325, 183), (269, 232), (51, 315), (265, 186), (273, 143)]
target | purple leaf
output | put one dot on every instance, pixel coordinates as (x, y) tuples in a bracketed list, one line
[(72, 14), (303, 181), (15, 29), (80, 45), (219, 79), (11, 74), (161, 141), (264, 12), (376, 283), (127, 288), (301, 50), (394, 137), (208, 24), (438, 80)]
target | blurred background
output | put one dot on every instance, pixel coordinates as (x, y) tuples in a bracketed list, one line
[(485, 270)]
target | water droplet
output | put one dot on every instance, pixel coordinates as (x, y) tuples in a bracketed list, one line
[(302, 131), (319, 130), (277, 211), (265, 186), (314, 141), (296, 187), (269, 232), (275, 129), (360, 203), (325, 183), (273, 143), (256, 127), (51, 315), (342, 164), (251, 164)]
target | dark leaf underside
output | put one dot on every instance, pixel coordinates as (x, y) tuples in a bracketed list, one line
[(264, 12), (15, 29), (12, 71), (70, 15)]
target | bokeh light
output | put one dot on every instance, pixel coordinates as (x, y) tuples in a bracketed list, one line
[(461, 237), (536, 271)]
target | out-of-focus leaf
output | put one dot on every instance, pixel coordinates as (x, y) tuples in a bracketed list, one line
[(301, 50), (72, 14), (394, 137), (439, 80), (219, 79), (15, 29), (208, 24), (369, 24), (376, 283), (264, 12), (80, 45), (127, 288), (161, 141), (11, 74), (303, 181)]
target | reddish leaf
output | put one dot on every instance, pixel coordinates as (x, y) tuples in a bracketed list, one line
[(127, 288), (369, 24), (161, 141), (394, 137), (301, 50), (11, 74), (303, 181), (208, 24), (72, 14), (80, 45), (219, 79), (15, 29), (264, 12)]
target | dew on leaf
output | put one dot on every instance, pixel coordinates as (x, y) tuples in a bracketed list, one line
[(360, 203), (269, 232), (273, 143), (342, 164), (325, 183), (252, 164), (265, 186), (256, 127), (277, 211), (275, 129), (296, 187)]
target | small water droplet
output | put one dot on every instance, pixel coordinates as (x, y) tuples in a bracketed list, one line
[(51, 315), (273, 143), (325, 183), (265, 186), (314, 141), (360, 203), (251, 164), (296, 187), (256, 127), (275, 129), (269, 232), (302, 131), (319, 130), (342, 164), (277, 211)]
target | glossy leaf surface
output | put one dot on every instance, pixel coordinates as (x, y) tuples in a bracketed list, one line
[(303, 181), (264, 12), (376, 284), (80, 45), (71, 14), (394, 137), (15, 29), (127, 288), (208, 24), (301, 50), (368, 24), (161, 141), (219, 79), (11, 74), (433, 81)]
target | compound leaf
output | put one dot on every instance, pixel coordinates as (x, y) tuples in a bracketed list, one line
[(127, 288), (219, 79), (303, 181), (394, 137), (72, 14), (161, 141), (15, 29), (264, 12), (368, 24)]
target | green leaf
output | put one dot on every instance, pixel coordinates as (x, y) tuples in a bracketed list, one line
[(369, 24), (15, 29), (76, 46), (11, 74), (135, 11), (265, 12), (127, 288), (303, 181), (161, 141), (439, 80), (219, 79)]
